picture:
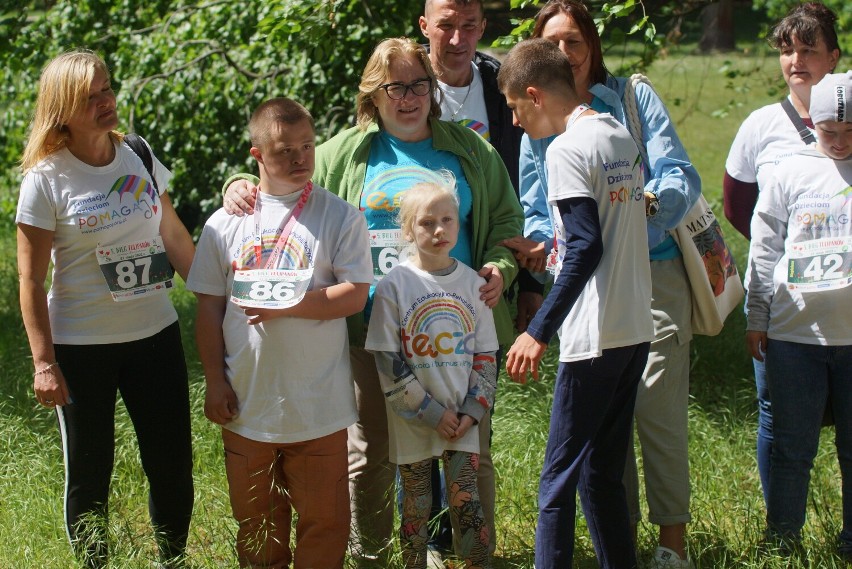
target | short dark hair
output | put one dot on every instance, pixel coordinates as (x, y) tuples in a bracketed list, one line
[(809, 22), (278, 110), (535, 63), (458, 3)]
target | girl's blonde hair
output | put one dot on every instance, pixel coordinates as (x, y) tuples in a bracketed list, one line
[(423, 194), (376, 74), (63, 90)]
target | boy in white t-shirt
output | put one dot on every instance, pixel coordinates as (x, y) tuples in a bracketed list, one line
[(798, 317), (600, 305), (275, 356)]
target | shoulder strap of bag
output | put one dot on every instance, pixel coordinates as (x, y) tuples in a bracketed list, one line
[(804, 132), (631, 112), (138, 146)]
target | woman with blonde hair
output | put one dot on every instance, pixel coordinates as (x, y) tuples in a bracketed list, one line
[(399, 141), (90, 205)]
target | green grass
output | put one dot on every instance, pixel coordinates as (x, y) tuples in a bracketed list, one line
[(727, 507)]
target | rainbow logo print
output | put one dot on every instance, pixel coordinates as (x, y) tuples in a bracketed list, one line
[(294, 255), (478, 127), (438, 324), (136, 186)]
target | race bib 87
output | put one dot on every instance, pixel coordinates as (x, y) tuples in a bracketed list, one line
[(137, 269)]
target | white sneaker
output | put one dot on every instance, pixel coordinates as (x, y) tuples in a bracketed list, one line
[(434, 559), (665, 558)]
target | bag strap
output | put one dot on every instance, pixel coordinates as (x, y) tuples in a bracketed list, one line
[(631, 112), (804, 132), (141, 149)]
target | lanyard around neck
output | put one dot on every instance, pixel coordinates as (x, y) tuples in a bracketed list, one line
[(284, 230), (575, 114)]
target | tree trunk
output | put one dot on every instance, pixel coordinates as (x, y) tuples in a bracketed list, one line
[(718, 23)]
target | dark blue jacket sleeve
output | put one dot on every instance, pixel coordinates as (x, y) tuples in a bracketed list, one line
[(583, 252)]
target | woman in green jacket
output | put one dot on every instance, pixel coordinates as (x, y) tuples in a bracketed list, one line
[(399, 141)]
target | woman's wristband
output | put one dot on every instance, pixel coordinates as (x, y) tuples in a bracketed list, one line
[(46, 369)]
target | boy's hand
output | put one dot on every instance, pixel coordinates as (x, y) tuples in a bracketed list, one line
[(465, 423), (220, 402), (447, 425), (240, 198), (258, 315), (493, 287), (756, 342), (523, 358)]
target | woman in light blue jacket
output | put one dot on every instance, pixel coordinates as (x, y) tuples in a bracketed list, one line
[(671, 189)]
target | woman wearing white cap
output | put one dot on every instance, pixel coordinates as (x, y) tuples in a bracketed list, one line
[(801, 255)]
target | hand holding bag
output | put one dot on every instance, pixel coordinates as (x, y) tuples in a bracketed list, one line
[(714, 281)]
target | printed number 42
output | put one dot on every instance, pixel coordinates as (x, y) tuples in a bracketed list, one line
[(832, 262), (126, 272)]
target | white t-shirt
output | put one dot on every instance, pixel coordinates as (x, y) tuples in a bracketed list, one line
[(87, 208), (764, 139), (809, 199), (291, 375), (597, 158), (466, 105), (437, 324)]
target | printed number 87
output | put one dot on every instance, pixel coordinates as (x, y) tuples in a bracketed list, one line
[(126, 272)]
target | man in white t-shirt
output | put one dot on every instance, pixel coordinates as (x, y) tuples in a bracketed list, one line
[(276, 356), (600, 305)]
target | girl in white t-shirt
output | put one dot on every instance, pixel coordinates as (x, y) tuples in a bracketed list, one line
[(94, 207), (435, 347), (798, 317)]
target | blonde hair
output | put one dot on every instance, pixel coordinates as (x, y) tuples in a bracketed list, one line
[(63, 90), (376, 74), (423, 194), (280, 110)]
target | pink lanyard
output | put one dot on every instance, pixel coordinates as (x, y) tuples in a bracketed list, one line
[(284, 231)]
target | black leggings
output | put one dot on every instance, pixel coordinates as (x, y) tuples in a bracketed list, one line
[(151, 376)]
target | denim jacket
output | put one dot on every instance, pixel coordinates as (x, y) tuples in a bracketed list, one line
[(673, 178)]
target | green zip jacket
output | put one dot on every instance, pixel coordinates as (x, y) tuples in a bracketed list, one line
[(341, 168)]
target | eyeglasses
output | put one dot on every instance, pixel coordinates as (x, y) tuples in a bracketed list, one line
[(397, 90)]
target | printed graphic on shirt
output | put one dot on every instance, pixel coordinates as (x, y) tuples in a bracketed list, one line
[(297, 253), (380, 201), (438, 325), (129, 195), (628, 179), (382, 194), (478, 127)]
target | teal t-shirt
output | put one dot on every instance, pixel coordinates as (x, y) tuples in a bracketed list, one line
[(392, 168)]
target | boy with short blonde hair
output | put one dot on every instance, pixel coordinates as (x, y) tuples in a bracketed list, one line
[(276, 356)]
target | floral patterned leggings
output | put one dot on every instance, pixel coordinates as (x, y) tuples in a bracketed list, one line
[(460, 470)]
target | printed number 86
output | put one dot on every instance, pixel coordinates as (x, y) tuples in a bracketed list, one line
[(263, 290)]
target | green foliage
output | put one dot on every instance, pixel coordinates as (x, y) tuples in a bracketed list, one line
[(777, 9), (619, 24), (189, 74)]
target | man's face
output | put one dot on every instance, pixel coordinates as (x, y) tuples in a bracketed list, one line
[(453, 32)]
